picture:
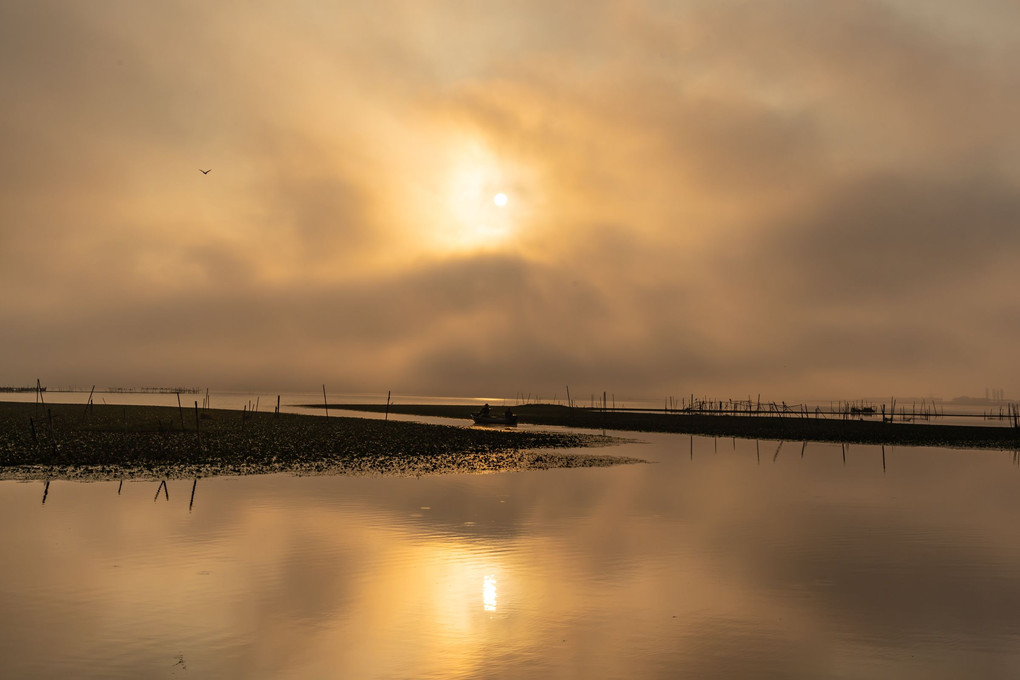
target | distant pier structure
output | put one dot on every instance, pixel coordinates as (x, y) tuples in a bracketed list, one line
[(152, 390), (995, 394)]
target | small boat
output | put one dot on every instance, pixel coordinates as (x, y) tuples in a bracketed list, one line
[(490, 419)]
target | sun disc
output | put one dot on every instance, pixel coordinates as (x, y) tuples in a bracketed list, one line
[(499, 199)]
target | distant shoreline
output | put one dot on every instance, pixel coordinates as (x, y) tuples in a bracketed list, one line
[(786, 428)]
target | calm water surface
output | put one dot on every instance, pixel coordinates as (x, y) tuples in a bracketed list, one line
[(719, 559)]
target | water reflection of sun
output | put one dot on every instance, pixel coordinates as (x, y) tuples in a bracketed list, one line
[(489, 593)]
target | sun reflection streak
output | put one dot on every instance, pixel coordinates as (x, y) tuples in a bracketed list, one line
[(489, 593)]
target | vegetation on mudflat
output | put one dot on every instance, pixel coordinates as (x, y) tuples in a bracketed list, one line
[(773, 427), (65, 440)]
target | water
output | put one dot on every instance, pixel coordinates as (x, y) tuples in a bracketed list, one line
[(717, 560)]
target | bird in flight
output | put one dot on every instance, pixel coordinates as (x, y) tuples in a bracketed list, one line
[(205, 172)]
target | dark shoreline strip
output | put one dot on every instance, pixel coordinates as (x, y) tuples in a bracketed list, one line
[(786, 428)]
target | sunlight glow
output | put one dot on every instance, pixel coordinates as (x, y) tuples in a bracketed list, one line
[(476, 204), (467, 197)]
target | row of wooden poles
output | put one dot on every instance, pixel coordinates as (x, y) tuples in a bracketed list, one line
[(844, 409), (847, 410), (1012, 413), (161, 488)]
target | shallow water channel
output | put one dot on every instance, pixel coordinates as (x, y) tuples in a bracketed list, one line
[(720, 558)]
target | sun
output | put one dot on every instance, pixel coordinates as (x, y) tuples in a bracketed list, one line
[(479, 210), (468, 197)]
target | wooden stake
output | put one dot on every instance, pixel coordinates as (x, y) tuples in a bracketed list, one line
[(324, 402), (198, 433), (87, 404)]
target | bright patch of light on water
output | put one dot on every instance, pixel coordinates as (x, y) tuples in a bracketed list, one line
[(489, 593)]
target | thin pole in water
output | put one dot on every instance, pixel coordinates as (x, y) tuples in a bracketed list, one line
[(324, 402), (85, 414), (198, 433)]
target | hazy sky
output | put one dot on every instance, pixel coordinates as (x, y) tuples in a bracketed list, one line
[(795, 198)]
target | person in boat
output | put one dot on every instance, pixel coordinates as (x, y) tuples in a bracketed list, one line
[(484, 411), (508, 414)]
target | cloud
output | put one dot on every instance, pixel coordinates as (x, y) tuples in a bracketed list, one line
[(889, 237), (712, 196)]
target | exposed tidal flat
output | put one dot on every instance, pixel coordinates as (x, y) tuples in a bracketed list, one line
[(97, 442)]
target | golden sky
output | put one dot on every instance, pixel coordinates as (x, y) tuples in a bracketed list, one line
[(795, 198)]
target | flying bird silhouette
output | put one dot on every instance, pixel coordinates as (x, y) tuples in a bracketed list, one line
[(205, 172)]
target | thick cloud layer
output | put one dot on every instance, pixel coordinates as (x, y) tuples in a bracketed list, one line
[(721, 198)]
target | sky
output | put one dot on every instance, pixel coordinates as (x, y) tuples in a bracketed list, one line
[(788, 198)]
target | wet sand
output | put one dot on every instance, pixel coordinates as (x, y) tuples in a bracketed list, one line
[(110, 442)]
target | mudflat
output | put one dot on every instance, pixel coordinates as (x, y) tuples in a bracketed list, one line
[(109, 441)]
